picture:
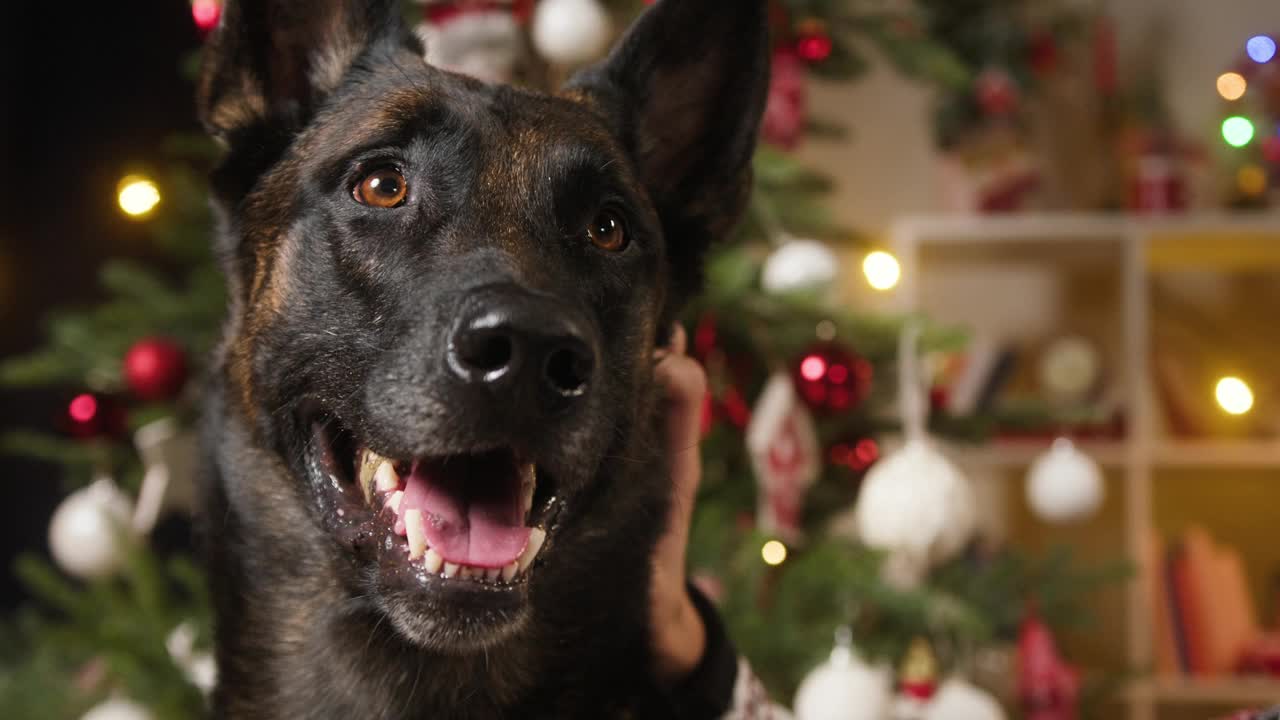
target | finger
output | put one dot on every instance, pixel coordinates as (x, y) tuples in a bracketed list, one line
[(679, 340)]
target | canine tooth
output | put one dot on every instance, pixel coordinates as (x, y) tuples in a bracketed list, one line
[(536, 537), (394, 501), (368, 466), (509, 572), (432, 561), (527, 488), (450, 570), (492, 574), (385, 478), (417, 533)]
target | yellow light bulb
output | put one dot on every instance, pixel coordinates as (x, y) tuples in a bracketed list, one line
[(773, 552), (1232, 85), (882, 270), (1234, 395), (138, 196)]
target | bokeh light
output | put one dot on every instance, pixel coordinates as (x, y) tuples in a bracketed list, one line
[(1234, 395), (813, 368), (1237, 131), (138, 196), (774, 553), (1232, 85), (205, 13), (883, 270), (1251, 180), (83, 408), (1261, 48)]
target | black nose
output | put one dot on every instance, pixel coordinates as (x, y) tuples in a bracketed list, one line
[(515, 342)]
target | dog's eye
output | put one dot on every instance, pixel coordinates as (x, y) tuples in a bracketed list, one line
[(606, 232), (384, 188)]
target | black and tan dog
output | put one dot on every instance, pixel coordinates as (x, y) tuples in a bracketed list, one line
[(433, 429)]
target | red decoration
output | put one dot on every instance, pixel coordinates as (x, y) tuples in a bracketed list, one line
[(997, 93), (155, 369), (206, 13), (1105, 76), (706, 337), (1043, 52), (786, 110), (831, 378), (856, 455), (1047, 687), (815, 47), (91, 416), (1271, 148)]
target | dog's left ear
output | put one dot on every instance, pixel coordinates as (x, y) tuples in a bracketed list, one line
[(685, 90)]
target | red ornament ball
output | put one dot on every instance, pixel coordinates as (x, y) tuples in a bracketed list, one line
[(996, 91), (155, 369), (814, 47), (832, 378)]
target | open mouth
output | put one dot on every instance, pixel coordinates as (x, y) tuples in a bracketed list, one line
[(479, 518)]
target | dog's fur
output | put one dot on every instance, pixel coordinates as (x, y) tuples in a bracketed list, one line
[(345, 308)]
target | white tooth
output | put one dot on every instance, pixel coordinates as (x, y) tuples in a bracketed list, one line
[(394, 501), (492, 574), (432, 561), (509, 572), (385, 478), (417, 533), (369, 461), (536, 537), (450, 570), (530, 484)]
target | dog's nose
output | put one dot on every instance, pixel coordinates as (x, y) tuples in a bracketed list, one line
[(519, 343)]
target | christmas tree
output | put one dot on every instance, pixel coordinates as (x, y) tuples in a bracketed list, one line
[(804, 396)]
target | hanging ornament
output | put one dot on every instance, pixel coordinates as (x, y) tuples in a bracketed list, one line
[(155, 369), (783, 445), (170, 457), (832, 379), (799, 264), (1064, 484), (914, 504), (570, 32), (813, 42), (786, 110), (198, 665), (87, 528), (854, 454), (917, 682), (959, 699), (1047, 688), (996, 91), (118, 709), (844, 687), (481, 40)]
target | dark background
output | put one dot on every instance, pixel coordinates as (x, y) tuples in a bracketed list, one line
[(88, 90)]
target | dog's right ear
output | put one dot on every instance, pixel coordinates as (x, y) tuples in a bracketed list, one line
[(270, 62)]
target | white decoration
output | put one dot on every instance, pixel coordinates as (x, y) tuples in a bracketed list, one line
[(118, 709), (1064, 484), (960, 700), (844, 687), (570, 32), (484, 44), (914, 503), (85, 532), (799, 264), (1069, 368), (170, 456), (783, 445), (200, 667)]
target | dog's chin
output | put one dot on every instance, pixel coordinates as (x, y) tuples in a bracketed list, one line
[(444, 546)]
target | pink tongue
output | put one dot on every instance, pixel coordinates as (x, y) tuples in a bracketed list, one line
[(471, 510)]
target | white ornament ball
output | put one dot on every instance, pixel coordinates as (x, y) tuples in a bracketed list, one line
[(799, 265), (570, 32), (916, 505), (85, 531), (118, 709), (844, 688), (961, 700), (1064, 484)]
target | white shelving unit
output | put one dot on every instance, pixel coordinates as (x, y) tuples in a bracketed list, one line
[(1130, 244)]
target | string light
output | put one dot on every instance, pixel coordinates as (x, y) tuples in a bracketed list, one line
[(1252, 180), (774, 553), (1234, 396), (138, 196), (205, 13), (882, 270), (1237, 131), (1232, 85), (1261, 48), (83, 408), (813, 368)]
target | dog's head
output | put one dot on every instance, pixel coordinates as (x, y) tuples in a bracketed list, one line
[(446, 294)]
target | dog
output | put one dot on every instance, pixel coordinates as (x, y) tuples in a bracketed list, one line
[(432, 429)]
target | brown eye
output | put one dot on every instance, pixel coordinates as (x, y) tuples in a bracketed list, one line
[(384, 188), (606, 232)]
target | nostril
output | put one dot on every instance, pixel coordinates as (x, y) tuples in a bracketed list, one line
[(489, 352), (567, 370)]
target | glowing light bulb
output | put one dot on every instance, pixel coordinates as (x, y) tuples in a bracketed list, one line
[(205, 13), (1234, 395), (1232, 85), (813, 367), (882, 270), (138, 196), (1261, 48), (1237, 131), (773, 553), (83, 408)]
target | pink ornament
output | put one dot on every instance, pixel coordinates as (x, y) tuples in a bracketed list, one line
[(783, 445), (786, 111)]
